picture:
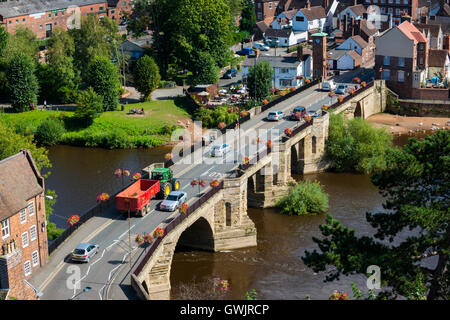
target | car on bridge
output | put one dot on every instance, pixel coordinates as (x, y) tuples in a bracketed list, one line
[(275, 115), (342, 89), (261, 47), (219, 150), (173, 201), (298, 113), (84, 252), (328, 86)]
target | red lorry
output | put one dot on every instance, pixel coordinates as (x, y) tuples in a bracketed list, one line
[(136, 198)]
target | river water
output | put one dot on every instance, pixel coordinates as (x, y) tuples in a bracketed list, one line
[(274, 268)]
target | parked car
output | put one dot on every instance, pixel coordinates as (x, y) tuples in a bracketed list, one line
[(219, 150), (261, 47), (84, 252), (173, 201), (328, 86), (298, 113), (342, 89), (275, 115), (231, 73), (245, 52)]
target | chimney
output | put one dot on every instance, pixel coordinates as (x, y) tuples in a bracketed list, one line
[(299, 52), (308, 5), (405, 18), (355, 2), (353, 26), (446, 44), (325, 4), (365, 15), (345, 23), (424, 19), (339, 24)]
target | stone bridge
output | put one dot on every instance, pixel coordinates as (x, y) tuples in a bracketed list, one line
[(217, 219)]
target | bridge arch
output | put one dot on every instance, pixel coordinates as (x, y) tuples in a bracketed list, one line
[(198, 235), (314, 145), (358, 111)]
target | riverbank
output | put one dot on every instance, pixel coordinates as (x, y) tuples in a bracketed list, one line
[(396, 124)]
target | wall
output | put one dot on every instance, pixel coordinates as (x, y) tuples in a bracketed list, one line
[(345, 63), (420, 108)]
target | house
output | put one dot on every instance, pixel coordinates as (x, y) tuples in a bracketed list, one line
[(286, 70), (438, 64), (23, 242), (309, 19), (359, 45), (397, 8), (356, 12), (42, 16), (433, 32), (258, 30), (131, 48), (343, 59), (283, 20), (265, 10), (402, 58), (284, 37)]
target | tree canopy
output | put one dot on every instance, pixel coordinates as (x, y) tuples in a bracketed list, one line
[(146, 76), (412, 240), (259, 80)]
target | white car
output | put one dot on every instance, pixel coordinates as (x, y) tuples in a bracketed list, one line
[(328, 86), (219, 150), (173, 201), (261, 47), (275, 115)]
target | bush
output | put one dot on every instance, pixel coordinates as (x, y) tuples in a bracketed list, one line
[(305, 197), (49, 132), (212, 117), (355, 146)]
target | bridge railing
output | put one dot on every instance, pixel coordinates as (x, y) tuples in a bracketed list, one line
[(174, 223), (348, 97)]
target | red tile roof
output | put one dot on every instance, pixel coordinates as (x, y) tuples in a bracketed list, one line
[(411, 32)]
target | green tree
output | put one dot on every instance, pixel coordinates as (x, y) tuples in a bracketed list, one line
[(23, 85), (305, 197), (146, 76), (12, 142), (248, 17), (24, 42), (204, 69), (354, 145), (259, 80), (3, 39), (49, 132), (415, 186), (50, 199), (103, 77), (89, 106)]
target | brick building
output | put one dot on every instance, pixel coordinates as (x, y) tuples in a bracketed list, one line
[(42, 16), (265, 10), (23, 242), (402, 59)]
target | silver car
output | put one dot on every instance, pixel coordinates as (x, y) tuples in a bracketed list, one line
[(275, 115), (342, 89), (173, 201), (84, 251), (219, 150)]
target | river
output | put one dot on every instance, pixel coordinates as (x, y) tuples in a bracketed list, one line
[(274, 268)]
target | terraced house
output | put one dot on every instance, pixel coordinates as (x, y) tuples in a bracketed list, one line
[(23, 234), (42, 16)]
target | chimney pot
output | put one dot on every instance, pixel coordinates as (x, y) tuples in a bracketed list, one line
[(308, 5), (299, 52)]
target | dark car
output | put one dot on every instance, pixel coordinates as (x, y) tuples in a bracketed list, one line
[(245, 52), (297, 113), (230, 74)]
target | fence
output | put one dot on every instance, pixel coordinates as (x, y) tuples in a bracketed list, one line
[(288, 95), (348, 97), (174, 223), (96, 210)]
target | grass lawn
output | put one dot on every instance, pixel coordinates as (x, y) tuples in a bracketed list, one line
[(113, 129)]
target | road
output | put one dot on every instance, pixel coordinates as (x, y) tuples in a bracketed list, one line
[(107, 274)]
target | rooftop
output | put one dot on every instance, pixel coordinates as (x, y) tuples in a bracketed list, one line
[(313, 13), (275, 61), (437, 58), (411, 32)]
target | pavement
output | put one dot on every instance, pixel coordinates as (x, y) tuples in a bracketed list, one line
[(107, 274)]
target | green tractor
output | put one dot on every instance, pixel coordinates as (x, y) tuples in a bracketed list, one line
[(167, 182)]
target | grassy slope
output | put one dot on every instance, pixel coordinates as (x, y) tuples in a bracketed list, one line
[(112, 126)]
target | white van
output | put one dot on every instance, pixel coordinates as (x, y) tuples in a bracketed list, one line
[(328, 85)]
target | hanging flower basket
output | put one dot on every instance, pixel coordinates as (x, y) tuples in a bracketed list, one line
[(307, 81), (236, 109), (339, 295), (293, 88), (269, 144), (272, 90), (126, 173), (158, 233), (139, 239), (73, 220), (136, 176), (340, 98), (148, 238), (221, 125), (325, 107), (215, 183), (202, 183), (282, 93), (288, 132), (308, 118), (352, 92), (183, 208), (102, 197), (194, 182), (356, 80), (246, 160), (244, 113), (264, 102), (298, 115), (363, 84), (118, 173), (230, 110), (168, 156), (331, 94)]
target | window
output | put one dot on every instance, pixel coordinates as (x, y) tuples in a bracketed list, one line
[(401, 62), (23, 19), (23, 215), (33, 235), (5, 228), (31, 204), (124, 3), (405, 1), (421, 60), (386, 60), (50, 15), (397, 1), (406, 12), (375, 1), (401, 76), (397, 12), (56, 14), (416, 76), (390, 10), (27, 267), (383, 1), (35, 258), (386, 75), (112, 11), (301, 19), (391, 1), (285, 83), (17, 20), (270, 5), (92, 9), (25, 239), (383, 10), (55, 23), (284, 70), (101, 8), (40, 27)]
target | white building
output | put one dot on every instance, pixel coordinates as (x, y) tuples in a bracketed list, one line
[(284, 37), (310, 18)]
